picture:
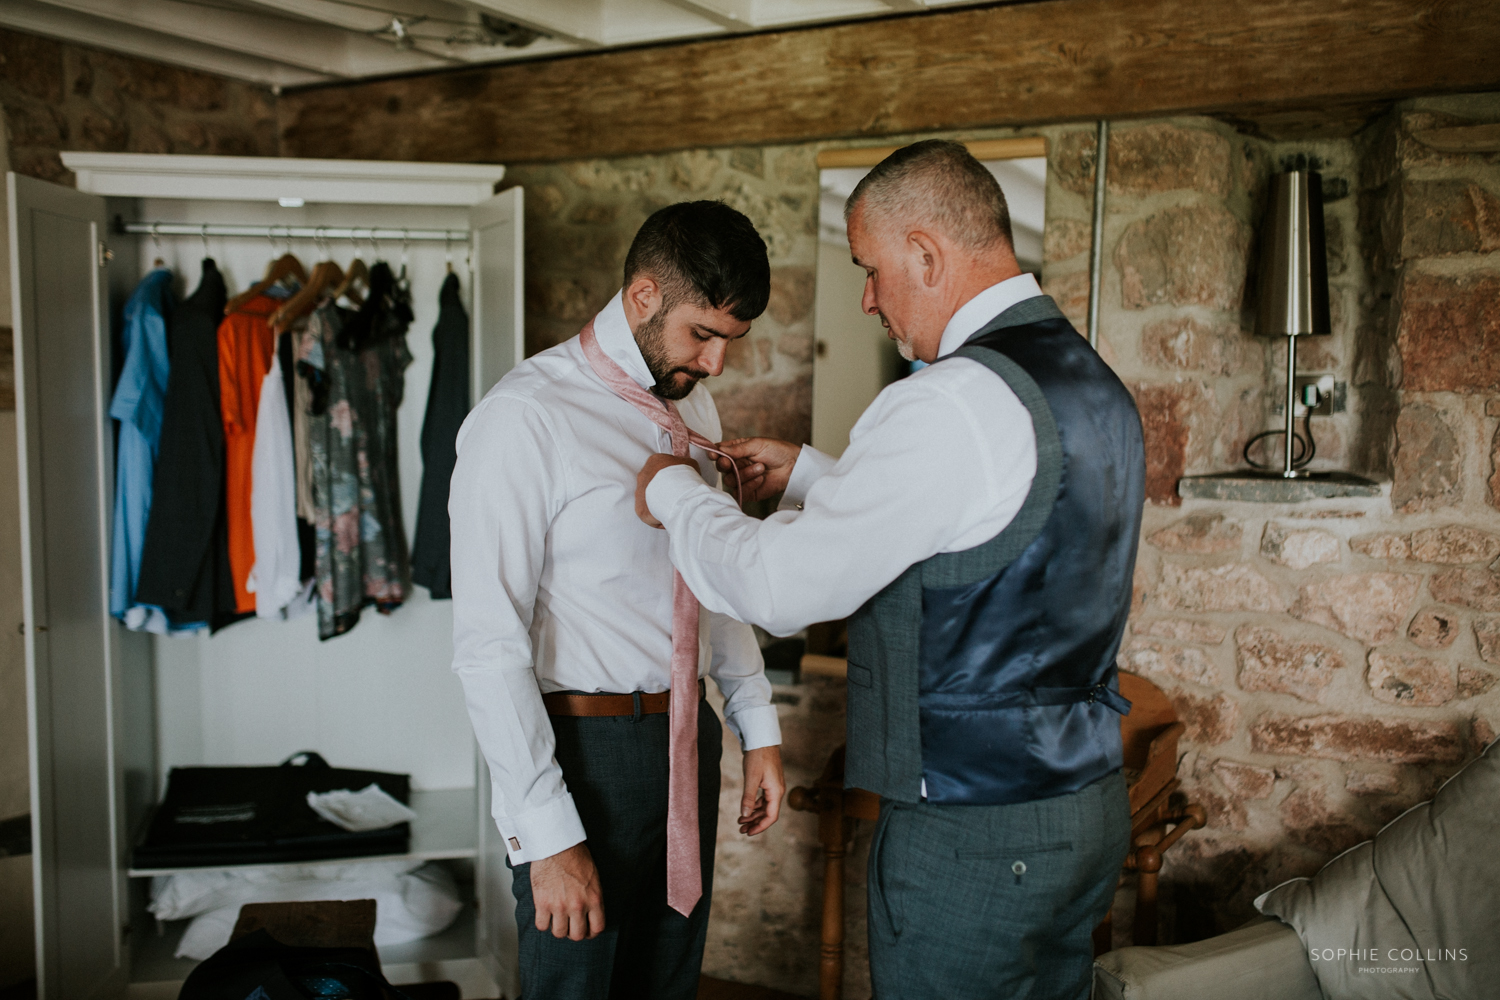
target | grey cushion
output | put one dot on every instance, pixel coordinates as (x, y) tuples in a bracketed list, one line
[(1263, 960), (1411, 915)]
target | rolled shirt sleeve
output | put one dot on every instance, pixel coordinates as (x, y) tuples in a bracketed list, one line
[(508, 483)]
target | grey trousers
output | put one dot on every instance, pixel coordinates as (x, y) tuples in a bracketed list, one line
[(616, 768), (969, 902)]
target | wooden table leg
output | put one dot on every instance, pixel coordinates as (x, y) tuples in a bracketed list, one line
[(826, 798), (831, 829), (1104, 934), (1148, 864)]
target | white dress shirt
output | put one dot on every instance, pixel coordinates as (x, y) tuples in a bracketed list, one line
[(940, 462), (558, 586)]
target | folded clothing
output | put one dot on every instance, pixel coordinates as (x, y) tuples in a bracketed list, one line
[(413, 899), (370, 808)]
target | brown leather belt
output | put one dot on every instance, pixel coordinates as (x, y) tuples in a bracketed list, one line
[(598, 705)]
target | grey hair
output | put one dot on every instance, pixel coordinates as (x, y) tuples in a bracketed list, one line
[(937, 182)]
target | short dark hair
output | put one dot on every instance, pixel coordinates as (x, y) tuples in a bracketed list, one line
[(706, 252), (938, 181)]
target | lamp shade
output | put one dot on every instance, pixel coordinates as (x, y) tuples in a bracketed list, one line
[(1293, 297)]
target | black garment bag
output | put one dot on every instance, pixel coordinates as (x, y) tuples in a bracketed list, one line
[(213, 816), (258, 967)]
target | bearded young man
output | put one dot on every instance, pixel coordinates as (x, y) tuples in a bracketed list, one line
[(981, 529), (573, 636)]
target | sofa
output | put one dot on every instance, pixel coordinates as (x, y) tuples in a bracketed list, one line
[(1409, 915)]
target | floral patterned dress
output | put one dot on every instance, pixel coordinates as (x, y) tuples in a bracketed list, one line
[(357, 386)]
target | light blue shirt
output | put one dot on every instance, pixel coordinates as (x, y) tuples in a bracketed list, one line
[(137, 405)]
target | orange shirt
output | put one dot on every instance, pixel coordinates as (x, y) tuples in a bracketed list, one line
[(246, 347)]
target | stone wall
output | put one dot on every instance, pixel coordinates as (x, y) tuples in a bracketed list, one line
[(59, 96), (1334, 661)]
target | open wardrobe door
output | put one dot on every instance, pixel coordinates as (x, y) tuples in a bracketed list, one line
[(72, 648), (496, 229), (498, 345)]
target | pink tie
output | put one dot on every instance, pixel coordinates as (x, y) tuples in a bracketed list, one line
[(684, 871)]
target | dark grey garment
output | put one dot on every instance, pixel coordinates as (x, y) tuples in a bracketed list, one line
[(185, 557), (616, 769), (994, 901), (447, 405)]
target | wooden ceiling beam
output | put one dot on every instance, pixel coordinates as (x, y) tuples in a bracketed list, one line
[(1010, 65)]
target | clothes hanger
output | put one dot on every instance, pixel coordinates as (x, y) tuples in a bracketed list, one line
[(285, 266), (156, 239), (325, 275), (357, 272), (280, 268)]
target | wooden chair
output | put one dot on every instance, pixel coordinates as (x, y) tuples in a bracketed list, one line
[(1150, 734)]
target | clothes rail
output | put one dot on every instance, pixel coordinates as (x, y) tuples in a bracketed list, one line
[(378, 233)]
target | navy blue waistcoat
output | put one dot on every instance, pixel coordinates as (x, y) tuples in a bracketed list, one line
[(990, 673)]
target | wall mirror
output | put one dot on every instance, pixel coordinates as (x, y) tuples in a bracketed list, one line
[(853, 358)]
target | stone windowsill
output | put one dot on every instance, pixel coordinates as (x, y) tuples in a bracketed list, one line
[(1272, 488)]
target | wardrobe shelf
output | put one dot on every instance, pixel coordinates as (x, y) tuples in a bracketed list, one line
[(446, 828), (155, 971)]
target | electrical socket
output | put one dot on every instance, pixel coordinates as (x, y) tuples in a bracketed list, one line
[(1334, 395)]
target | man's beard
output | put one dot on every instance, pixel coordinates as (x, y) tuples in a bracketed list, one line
[(650, 339), (906, 349), (904, 345)]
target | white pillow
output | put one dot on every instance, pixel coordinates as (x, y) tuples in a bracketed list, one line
[(1412, 914), (412, 900)]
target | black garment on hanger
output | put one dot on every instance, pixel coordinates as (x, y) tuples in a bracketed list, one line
[(447, 405), (185, 557)]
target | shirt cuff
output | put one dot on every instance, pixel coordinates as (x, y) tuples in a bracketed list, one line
[(671, 486), (811, 466), (541, 832), (756, 727)]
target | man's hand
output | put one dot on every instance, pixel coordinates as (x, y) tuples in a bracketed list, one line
[(648, 472), (565, 890), (760, 806), (765, 465)]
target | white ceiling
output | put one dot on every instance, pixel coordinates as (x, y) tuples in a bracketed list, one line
[(290, 42)]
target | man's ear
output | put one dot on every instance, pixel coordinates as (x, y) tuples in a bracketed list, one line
[(929, 256), (642, 298)]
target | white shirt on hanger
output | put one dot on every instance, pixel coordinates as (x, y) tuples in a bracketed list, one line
[(276, 577), (940, 462), (558, 586)]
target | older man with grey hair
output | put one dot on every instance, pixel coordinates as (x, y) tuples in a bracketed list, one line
[(980, 531)]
